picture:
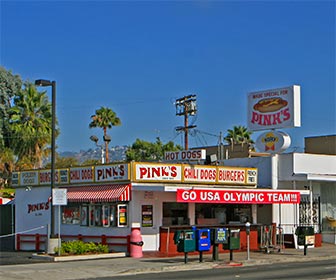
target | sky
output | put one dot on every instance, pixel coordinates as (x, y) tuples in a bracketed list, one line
[(138, 57)]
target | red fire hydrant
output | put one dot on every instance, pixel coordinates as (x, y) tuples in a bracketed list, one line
[(136, 241)]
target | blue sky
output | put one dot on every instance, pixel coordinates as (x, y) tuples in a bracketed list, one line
[(138, 57)]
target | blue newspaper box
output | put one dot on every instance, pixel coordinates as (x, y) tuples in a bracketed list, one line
[(203, 239)]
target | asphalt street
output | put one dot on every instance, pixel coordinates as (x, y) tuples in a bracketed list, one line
[(21, 265)]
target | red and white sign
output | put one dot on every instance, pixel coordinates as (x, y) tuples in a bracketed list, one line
[(275, 108), (158, 172), (238, 196), (236, 175), (200, 174), (185, 155)]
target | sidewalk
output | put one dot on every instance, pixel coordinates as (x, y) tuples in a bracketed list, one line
[(152, 264)]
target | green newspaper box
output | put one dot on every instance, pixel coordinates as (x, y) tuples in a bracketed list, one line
[(185, 241), (233, 240)]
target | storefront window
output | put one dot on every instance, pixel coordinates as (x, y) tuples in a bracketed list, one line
[(71, 214), (84, 215), (214, 214), (106, 215), (328, 207), (175, 214), (96, 215)]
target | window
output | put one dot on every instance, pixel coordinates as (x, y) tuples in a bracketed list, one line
[(71, 214), (96, 215), (175, 214), (213, 214), (84, 216)]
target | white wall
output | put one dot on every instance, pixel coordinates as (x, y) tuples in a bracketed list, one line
[(32, 210), (262, 163), (150, 235), (297, 165)]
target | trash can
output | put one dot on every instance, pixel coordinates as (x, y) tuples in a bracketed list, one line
[(136, 241)]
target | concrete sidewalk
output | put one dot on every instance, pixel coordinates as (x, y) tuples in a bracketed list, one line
[(148, 264)]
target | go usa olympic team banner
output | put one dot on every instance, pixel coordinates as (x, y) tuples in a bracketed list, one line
[(238, 196)]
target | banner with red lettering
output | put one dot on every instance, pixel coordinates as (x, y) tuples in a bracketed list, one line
[(238, 196)]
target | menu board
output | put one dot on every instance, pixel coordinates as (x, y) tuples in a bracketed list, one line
[(147, 215)]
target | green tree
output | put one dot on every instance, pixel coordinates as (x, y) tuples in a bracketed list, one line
[(10, 85), (90, 162), (146, 151), (105, 118), (238, 135), (30, 123), (7, 161), (64, 162)]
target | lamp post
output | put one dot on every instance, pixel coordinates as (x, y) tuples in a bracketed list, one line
[(248, 228), (107, 140), (47, 83), (94, 138)]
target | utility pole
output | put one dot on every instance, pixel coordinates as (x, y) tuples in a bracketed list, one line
[(186, 106)]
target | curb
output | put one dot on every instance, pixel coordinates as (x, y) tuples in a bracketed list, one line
[(79, 257)]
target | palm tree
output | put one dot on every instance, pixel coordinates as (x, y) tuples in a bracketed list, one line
[(30, 123), (105, 118), (7, 162), (239, 135)]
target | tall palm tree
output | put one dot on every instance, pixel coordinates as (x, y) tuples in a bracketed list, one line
[(239, 135), (105, 118), (30, 122)]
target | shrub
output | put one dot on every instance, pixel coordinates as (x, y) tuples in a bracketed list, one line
[(78, 247)]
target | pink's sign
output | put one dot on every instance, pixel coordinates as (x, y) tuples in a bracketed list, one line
[(275, 108)]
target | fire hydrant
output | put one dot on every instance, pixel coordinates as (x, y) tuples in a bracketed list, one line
[(136, 241)]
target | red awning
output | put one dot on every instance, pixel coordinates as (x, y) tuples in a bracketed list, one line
[(101, 193)]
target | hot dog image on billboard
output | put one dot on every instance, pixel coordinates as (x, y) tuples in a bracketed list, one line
[(275, 108)]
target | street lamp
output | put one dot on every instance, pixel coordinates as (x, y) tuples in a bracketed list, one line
[(94, 138), (47, 83), (107, 140), (248, 229)]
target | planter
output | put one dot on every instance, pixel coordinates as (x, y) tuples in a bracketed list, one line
[(55, 258)]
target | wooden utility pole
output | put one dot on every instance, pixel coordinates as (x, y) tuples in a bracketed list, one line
[(186, 106)]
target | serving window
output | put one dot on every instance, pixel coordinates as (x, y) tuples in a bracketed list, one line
[(175, 214), (96, 215)]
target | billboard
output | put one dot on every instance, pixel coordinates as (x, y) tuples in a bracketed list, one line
[(274, 108)]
